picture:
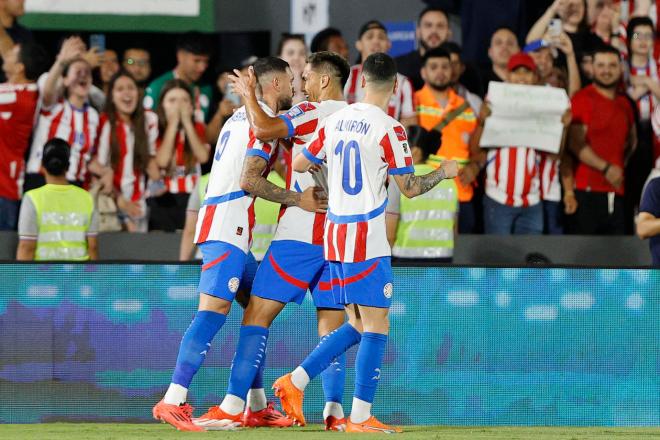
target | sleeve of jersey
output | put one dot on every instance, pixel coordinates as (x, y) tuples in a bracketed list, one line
[(259, 148), (314, 151), (396, 152), (301, 120), (103, 143), (407, 104)]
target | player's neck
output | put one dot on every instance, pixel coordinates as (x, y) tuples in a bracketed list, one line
[(331, 94), (379, 99), (270, 101)]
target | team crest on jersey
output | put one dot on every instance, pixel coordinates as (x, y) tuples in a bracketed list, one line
[(388, 290), (233, 284), (400, 133)]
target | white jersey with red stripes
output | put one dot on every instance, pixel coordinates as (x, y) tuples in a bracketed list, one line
[(295, 223), (646, 103), (181, 178), (512, 176), (549, 176), (361, 145), (400, 105), (77, 126), (227, 213), (128, 180)]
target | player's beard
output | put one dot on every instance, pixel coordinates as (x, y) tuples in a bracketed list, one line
[(285, 103)]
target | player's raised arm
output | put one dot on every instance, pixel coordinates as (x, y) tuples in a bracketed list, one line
[(252, 181), (265, 127)]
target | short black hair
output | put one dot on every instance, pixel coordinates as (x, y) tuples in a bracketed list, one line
[(504, 28), (193, 42), (638, 21), (286, 37), (379, 67), (34, 59), (428, 9), (606, 48), (266, 65), (452, 48), (334, 63), (55, 157), (438, 52), (321, 40)]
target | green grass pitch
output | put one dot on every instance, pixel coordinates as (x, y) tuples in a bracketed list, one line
[(100, 431)]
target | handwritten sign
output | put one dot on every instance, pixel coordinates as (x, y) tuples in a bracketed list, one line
[(525, 116)]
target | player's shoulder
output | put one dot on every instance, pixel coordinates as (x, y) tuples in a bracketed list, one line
[(302, 108), (239, 116)]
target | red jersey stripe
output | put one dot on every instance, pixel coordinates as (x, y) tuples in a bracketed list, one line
[(361, 242), (209, 212)]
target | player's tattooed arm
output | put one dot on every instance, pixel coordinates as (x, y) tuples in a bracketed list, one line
[(413, 186), (253, 182), (264, 127)]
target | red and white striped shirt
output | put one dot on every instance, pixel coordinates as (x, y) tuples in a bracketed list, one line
[(18, 104), (361, 145), (512, 176), (179, 180), (77, 126), (645, 103), (303, 120), (227, 213), (400, 105), (128, 180), (549, 176)]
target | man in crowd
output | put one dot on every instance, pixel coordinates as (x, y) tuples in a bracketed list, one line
[(602, 135), (439, 107), (373, 38), (432, 30), (11, 32), (330, 39), (137, 62), (503, 44), (192, 56), (457, 69), (18, 102)]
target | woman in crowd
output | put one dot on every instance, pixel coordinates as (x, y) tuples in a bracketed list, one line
[(293, 50), (181, 148), (125, 150), (65, 113)]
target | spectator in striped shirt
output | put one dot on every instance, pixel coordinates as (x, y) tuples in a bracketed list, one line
[(180, 149), (512, 200), (125, 150)]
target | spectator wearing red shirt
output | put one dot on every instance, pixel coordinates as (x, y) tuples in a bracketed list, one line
[(18, 103), (180, 149), (602, 135)]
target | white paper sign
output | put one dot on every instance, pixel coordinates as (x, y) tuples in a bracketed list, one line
[(309, 16), (181, 8), (525, 116)]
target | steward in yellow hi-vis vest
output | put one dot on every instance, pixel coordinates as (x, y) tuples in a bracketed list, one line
[(427, 223), (57, 221)]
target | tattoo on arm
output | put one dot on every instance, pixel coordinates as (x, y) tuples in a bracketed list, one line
[(253, 182), (416, 185)]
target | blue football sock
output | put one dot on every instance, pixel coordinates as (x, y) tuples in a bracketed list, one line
[(333, 379), (250, 354), (367, 365), (195, 344), (258, 381), (332, 345)]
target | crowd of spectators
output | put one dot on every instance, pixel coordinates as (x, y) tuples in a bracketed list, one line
[(139, 140)]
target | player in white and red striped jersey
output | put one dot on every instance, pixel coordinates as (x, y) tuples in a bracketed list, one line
[(126, 153), (372, 39), (67, 115), (294, 262), (18, 103), (223, 233), (361, 145)]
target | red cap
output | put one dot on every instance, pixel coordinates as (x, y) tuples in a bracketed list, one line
[(521, 59)]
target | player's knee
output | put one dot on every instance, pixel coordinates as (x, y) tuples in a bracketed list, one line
[(260, 312), (329, 320), (213, 304)]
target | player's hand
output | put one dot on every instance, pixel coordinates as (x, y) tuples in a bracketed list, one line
[(450, 167), (313, 199), (468, 173), (570, 203), (244, 85), (614, 175)]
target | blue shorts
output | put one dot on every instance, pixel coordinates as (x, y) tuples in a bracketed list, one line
[(289, 269), (225, 269), (368, 283)]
